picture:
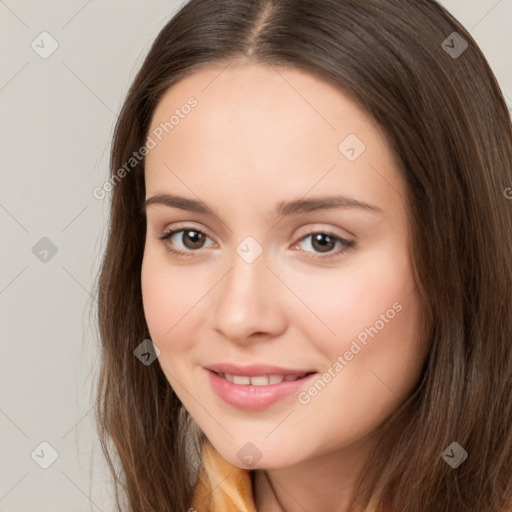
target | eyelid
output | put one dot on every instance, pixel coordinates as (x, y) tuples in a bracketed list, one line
[(347, 243), (305, 230), (184, 225), (318, 227)]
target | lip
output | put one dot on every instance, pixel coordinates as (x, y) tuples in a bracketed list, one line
[(256, 369), (254, 398)]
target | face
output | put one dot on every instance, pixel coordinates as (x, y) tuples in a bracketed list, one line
[(262, 275)]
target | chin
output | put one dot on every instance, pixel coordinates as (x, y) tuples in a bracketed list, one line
[(261, 459)]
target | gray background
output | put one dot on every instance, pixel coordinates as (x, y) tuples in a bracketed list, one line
[(57, 116)]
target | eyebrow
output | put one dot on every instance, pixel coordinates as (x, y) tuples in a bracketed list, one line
[(285, 208)]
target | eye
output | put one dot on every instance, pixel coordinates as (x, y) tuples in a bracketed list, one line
[(324, 242), (193, 239)]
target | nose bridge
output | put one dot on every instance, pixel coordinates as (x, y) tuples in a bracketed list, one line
[(244, 304), (248, 273)]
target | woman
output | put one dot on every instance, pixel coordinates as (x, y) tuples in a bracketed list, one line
[(249, 362)]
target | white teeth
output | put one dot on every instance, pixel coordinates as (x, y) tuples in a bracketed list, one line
[(241, 380), (275, 379), (259, 380)]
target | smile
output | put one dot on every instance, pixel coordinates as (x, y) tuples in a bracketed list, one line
[(259, 380), (256, 392)]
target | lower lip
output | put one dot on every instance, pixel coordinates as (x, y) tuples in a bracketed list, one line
[(254, 398)]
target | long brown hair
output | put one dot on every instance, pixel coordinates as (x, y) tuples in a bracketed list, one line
[(444, 116)]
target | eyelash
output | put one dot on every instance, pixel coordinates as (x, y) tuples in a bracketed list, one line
[(347, 244)]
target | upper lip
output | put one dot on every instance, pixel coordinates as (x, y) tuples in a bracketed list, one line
[(255, 369)]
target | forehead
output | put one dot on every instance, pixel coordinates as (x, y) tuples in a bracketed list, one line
[(267, 128), (257, 95)]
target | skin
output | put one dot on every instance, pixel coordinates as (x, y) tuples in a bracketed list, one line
[(259, 136)]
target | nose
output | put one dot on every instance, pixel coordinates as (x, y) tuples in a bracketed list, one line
[(249, 301)]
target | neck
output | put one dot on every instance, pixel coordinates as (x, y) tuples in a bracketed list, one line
[(322, 484)]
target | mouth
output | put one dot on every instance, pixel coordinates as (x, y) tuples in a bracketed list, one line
[(261, 380), (258, 391)]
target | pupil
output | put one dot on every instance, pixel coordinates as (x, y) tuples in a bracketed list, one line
[(196, 238), (323, 240)]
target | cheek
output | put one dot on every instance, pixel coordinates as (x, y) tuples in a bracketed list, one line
[(156, 296), (379, 372), (369, 315), (174, 301), (166, 298), (372, 363), (376, 354), (370, 293)]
